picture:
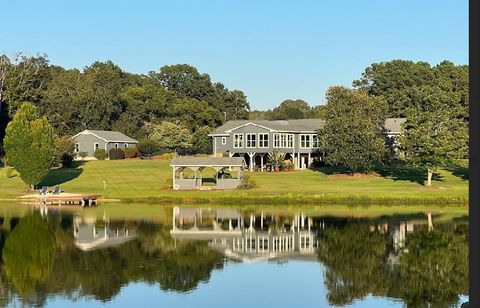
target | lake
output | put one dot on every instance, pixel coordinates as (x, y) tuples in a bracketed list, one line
[(201, 256)]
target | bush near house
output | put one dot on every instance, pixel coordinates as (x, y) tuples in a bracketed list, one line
[(116, 153), (148, 147), (131, 152), (83, 155), (100, 154)]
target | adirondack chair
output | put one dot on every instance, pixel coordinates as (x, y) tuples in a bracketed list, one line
[(43, 191), (57, 190)]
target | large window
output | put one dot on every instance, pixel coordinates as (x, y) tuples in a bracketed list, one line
[(305, 141), (282, 140), (263, 140), (224, 140), (315, 141), (251, 140), (238, 141)]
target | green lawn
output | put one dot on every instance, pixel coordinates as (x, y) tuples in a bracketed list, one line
[(143, 180)]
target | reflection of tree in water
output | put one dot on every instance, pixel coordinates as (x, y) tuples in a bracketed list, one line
[(432, 273), (355, 262), (435, 270), (28, 254), (153, 257)]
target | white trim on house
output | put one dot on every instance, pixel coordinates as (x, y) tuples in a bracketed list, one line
[(249, 123)]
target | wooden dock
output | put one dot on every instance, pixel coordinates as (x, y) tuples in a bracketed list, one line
[(68, 200)]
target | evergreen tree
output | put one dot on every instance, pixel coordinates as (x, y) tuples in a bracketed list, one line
[(29, 144)]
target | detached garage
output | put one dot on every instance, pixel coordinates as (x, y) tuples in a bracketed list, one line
[(90, 140)]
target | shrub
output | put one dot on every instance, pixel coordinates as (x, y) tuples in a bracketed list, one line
[(168, 184), (248, 183), (148, 147), (167, 156), (116, 153), (10, 172), (64, 151), (100, 154), (130, 152), (83, 154)]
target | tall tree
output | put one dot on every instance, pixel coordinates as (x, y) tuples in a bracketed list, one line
[(29, 144), (290, 109), (435, 132), (353, 135), (169, 135)]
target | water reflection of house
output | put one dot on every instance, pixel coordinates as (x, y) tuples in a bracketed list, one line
[(398, 232), (90, 235), (252, 239)]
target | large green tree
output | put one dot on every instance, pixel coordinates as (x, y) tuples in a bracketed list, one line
[(290, 109), (29, 144), (353, 134), (435, 132), (169, 135)]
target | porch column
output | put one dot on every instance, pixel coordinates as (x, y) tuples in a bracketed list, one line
[(261, 162), (308, 162), (251, 160)]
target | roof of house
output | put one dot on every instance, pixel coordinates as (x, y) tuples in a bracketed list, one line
[(108, 136), (207, 161), (300, 125), (394, 124)]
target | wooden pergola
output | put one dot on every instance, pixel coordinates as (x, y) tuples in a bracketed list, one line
[(198, 164)]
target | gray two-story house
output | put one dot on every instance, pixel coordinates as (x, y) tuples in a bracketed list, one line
[(89, 140), (296, 139)]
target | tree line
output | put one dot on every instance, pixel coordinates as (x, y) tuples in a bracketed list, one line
[(177, 107)]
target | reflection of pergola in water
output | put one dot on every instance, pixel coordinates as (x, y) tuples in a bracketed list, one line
[(250, 239), (225, 168)]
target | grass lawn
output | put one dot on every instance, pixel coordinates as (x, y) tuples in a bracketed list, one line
[(143, 181)]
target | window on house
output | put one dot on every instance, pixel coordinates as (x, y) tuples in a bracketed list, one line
[(77, 147), (116, 145), (282, 140), (125, 145), (251, 140), (95, 146), (238, 141), (224, 140), (315, 141), (305, 141), (263, 140)]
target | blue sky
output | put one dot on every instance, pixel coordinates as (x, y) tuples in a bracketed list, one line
[(272, 50)]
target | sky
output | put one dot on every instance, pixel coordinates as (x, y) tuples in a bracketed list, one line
[(271, 50)]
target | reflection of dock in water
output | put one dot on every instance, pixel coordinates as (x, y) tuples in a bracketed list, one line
[(257, 238), (90, 236)]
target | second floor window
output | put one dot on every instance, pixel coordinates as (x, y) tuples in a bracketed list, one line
[(305, 141), (282, 140), (238, 141), (251, 140), (315, 141), (263, 140)]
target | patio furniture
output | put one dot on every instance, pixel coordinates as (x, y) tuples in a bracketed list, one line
[(57, 190), (43, 191)]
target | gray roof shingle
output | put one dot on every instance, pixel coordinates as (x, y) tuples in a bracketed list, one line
[(207, 161), (300, 125), (112, 136)]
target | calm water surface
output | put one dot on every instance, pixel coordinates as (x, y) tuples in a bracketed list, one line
[(231, 257)]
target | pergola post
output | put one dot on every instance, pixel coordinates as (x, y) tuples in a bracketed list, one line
[(173, 177)]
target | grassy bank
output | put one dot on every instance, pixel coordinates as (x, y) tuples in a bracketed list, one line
[(143, 181)]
